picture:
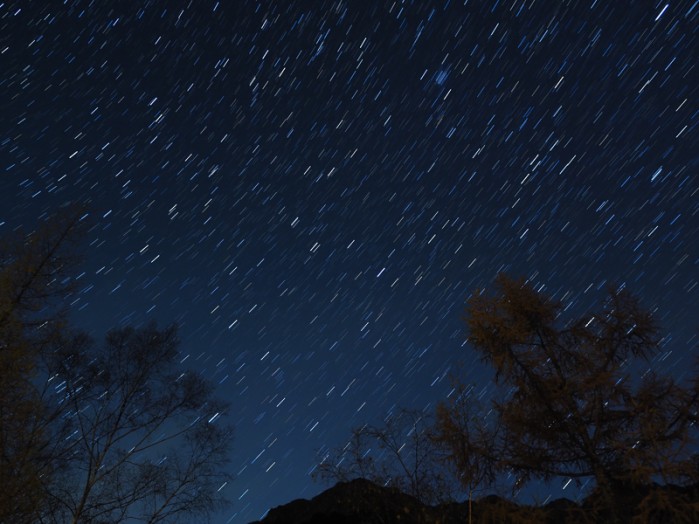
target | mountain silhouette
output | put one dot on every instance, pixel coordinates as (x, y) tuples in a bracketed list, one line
[(362, 502)]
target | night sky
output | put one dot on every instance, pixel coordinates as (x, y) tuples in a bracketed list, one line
[(313, 189)]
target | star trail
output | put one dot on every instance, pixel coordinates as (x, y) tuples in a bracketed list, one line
[(313, 189)]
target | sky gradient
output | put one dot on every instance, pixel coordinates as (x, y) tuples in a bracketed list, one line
[(313, 189)]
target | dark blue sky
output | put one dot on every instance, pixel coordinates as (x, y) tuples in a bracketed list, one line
[(312, 189)]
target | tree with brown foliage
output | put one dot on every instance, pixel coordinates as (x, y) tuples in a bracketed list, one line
[(579, 398)]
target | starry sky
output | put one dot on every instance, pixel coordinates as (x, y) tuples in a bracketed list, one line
[(312, 189)]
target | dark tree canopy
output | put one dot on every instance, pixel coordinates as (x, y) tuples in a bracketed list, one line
[(575, 398), (33, 270), (579, 398), (141, 436), (90, 432)]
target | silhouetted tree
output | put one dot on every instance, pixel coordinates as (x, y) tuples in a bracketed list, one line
[(469, 437), (576, 401), (34, 267), (401, 454), (143, 439), (95, 433)]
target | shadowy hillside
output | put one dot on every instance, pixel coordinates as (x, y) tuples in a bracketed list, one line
[(362, 502)]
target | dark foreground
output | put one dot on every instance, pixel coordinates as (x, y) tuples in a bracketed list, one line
[(362, 502)]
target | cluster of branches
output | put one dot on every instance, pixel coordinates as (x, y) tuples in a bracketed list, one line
[(96, 432), (400, 453), (577, 400), (582, 400)]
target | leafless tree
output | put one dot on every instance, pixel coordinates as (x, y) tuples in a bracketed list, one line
[(143, 437), (469, 436), (401, 453), (96, 432)]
